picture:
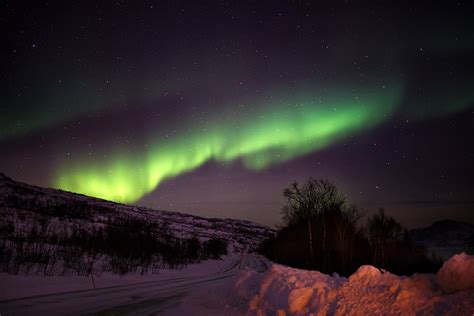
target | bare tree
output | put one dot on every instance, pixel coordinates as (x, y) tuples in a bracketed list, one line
[(383, 232), (346, 230), (310, 201)]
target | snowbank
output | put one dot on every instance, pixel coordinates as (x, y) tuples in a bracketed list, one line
[(286, 291), (457, 273)]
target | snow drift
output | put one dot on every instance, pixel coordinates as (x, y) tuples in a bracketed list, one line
[(286, 291), (457, 273)]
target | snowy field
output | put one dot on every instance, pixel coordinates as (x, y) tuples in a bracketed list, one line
[(199, 287), (18, 286), (254, 286)]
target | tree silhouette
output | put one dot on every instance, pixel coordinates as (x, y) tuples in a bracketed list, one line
[(317, 215), (384, 231), (310, 201)]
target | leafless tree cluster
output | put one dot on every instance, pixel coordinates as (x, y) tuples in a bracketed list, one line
[(322, 231)]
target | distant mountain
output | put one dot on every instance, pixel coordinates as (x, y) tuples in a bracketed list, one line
[(445, 232), (445, 237)]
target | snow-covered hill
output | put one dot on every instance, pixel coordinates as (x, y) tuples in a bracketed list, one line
[(446, 237), (21, 204)]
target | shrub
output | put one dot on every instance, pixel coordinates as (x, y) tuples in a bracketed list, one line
[(214, 248)]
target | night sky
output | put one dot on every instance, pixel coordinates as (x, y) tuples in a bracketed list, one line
[(212, 108)]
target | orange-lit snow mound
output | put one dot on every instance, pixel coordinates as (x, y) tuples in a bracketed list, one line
[(286, 291), (457, 273)]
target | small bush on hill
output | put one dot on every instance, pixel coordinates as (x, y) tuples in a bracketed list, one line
[(214, 248)]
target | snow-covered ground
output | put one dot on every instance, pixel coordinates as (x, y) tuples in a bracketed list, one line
[(199, 287), (19, 286), (253, 286), (369, 291)]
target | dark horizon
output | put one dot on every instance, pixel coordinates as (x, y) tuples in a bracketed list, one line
[(275, 225)]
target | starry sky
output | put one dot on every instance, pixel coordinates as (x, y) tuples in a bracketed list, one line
[(214, 107)]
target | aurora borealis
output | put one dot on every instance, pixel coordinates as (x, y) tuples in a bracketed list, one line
[(214, 107), (287, 131)]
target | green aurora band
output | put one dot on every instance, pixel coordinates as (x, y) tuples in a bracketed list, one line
[(275, 133)]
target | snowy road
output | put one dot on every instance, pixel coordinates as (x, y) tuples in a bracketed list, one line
[(145, 298)]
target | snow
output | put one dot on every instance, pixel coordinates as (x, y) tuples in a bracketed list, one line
[(19, 286), (240, 234), (286, 291), (200, 289), (299, 299), (457, 273), (217, 287), (254, 286)]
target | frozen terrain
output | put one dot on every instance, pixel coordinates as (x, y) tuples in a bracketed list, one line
[(200, 289), (369, 291), (446, 238), (251, 286), (23, 204), (241, 284)]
